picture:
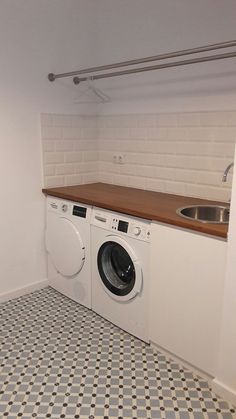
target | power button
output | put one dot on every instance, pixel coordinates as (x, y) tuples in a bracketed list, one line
[(64, 207)]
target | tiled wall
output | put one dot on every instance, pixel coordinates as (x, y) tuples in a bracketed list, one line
[(182, 153), (70, 149)]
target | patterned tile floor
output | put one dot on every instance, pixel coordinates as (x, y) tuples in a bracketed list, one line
[(60, 360)]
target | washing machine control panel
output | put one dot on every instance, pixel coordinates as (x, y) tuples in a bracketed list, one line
[(133, 228), (137, 228)]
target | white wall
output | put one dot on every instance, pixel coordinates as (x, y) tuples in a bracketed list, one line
[(35, 37), (138, 28)]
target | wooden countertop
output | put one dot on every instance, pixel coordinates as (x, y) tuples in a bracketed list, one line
[(150, 205)]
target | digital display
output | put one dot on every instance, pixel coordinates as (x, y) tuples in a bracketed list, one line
[(123, 226), (79, 211)]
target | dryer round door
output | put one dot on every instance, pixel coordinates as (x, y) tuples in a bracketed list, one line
[(65, 246), (119, 269)]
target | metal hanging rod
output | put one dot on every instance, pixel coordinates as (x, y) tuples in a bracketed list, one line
[(77, 80), (212, 47)]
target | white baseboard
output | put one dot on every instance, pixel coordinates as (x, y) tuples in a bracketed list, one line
[(224, 391), (24, 290), (183, 363)]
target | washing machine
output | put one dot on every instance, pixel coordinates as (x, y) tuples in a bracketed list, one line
[(120, 270), (68, 248)]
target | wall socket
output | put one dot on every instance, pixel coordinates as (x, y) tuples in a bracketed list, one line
[(118, 158)]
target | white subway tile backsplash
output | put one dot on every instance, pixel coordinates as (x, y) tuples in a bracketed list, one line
[(137, 133), (117, 121), (90, 156), (122, 133), (73, 157), (109, 167), (48, 145), (157, 133), (209, 192), (65, 169), (120, 180), (53, 181), (73, 180), (89, 177), (51, 132), (178, 188), (72, 133), (147, 121), (105, 145), (86, 167), (49, 170), (146, 159), (53, 157), (133, 169), (188, 119), (167, 120), (218, 119), (61, 120), (64, 145), (179, 153), (222, 134), (137, 182), (89, 133), (164, 173), (195, 162), (105, 178), (156, 185), (171, 152), (105, 133), (85, 145)]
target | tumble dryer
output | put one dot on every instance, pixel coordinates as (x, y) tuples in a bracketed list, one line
[(68, 247), (120, 270)]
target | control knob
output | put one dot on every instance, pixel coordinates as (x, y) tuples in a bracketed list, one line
[(137, 231), (64, 207)]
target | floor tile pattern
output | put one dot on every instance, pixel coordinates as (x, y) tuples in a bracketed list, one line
[(61, 360)]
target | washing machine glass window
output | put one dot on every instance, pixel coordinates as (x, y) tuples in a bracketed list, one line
[(116, 268)]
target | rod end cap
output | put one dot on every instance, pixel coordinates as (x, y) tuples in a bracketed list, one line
[(51, 77), (76, 80)]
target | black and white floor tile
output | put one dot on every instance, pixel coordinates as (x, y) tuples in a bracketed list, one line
[(61, 360)]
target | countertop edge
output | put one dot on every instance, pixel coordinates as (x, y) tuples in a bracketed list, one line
[(182, 223)]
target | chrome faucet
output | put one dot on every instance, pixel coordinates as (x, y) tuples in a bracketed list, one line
[(224, 177)]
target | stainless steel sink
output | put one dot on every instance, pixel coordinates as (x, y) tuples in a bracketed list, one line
[(205, 213)]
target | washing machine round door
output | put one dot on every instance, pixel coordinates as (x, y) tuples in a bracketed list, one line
[(65, 246), (119, 269)]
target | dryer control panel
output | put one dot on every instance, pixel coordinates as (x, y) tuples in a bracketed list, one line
[(125, 225), (68, 209)]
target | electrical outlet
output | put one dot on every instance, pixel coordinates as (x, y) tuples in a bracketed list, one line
[(118, 158), (114, 159)]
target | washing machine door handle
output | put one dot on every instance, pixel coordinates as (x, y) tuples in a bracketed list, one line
[(65, 246)]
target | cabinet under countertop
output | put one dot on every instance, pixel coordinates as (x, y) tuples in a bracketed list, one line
[(155, 206), (187, 273)]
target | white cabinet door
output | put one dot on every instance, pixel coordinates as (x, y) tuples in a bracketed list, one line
[(186, 291)]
